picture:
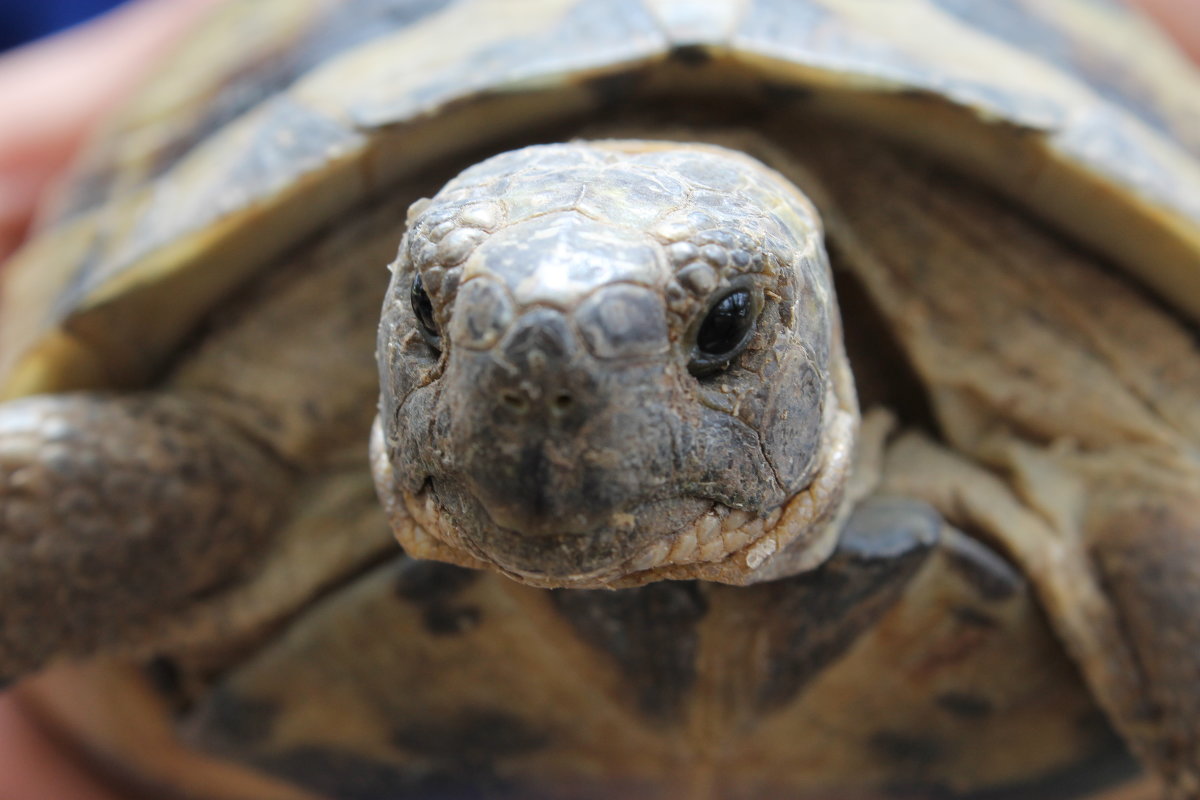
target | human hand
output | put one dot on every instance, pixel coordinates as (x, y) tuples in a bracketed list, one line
[(1179, 18)]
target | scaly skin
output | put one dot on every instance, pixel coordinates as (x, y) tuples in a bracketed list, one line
[(570, 283), (116, 512)]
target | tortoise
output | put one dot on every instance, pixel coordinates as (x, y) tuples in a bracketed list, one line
[(797, 398)]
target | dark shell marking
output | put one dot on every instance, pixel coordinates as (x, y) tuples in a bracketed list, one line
[(819, 615), (651, 632), (350, 776), (433, 587)]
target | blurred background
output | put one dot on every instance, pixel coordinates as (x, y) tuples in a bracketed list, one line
[(23, 21)]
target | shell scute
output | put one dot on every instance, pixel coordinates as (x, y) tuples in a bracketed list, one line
[(330, 103)]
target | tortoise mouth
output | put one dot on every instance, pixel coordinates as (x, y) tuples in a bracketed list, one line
[(708, 540), (560, 548), (716, 542)]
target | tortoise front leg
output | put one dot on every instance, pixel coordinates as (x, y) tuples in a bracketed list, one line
[(1145, 552), (115, 511), (1119, 575)]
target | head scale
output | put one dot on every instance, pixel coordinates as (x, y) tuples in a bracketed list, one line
[(608, 363)]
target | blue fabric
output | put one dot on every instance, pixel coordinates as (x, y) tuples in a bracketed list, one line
[(24, 20)]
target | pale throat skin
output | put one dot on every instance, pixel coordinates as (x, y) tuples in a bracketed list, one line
[(554, 416)]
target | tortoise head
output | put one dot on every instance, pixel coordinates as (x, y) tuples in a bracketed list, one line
[(609, 363)]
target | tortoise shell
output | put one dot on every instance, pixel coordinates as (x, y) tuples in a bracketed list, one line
[(279, 121)]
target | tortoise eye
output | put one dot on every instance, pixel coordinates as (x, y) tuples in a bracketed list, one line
[(724, 332), (422, 307)]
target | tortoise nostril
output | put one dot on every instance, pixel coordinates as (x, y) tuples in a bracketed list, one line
[(520, 402), (515, 401)]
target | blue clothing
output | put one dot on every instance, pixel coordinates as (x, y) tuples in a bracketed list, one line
[(24, 20)]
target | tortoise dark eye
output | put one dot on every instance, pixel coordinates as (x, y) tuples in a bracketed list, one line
[(724, 332), (422, 307)]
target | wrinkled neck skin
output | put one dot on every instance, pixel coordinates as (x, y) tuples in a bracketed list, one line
[(553, 405)]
